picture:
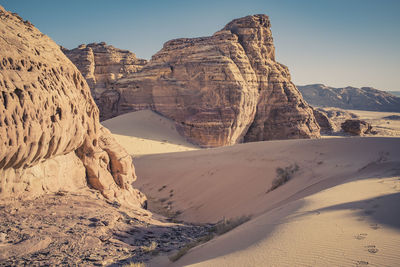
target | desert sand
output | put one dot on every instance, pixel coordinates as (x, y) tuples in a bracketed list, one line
[(352, 224), (339, 209), (68, 190), (145, 132)]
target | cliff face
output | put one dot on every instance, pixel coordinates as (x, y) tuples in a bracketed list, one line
[(222, 89), (365, 98), (101, 65), (51, 138)]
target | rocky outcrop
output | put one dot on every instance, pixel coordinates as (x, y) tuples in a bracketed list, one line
[(365, 98), (323, 121), (222, 89), (51, 138), (101, 65), (331, 119), (356, 127), (392, 117)]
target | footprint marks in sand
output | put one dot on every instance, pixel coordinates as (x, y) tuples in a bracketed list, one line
[(372, 249), (374, 226), (361, 263), (361, 236)]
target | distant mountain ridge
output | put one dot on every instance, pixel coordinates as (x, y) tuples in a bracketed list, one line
[(395, 93), (364, 98)]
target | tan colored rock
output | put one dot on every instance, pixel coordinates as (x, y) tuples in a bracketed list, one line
[(59, 173), (356, 127), (47, 113), (101, 65), (326, 125), (336, 117), (222, 89)]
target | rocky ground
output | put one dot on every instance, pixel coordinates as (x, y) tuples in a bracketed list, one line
[(79, 230), (384, 124)]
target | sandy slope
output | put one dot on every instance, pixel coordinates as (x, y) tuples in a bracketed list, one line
[(353, 224), (207, 185), (340, 208), (145, 132)]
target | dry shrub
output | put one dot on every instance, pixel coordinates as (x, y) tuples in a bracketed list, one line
[(219, 229), (283, 175)]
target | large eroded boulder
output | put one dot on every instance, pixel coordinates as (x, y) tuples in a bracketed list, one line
[(51, 138), (356, 127), (222, 89), (101, 65)]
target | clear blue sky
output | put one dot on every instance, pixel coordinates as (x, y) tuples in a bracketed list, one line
[(335, 42)]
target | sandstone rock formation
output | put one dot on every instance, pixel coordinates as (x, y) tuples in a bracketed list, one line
[(365, 98), (323, 121), (335, 118), (356, 127), (51, 138), (101, 65), (222, 89)]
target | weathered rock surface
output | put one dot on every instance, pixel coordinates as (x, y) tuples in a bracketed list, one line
[(51, 138), (335, 118), (323, 121), (67, 229), (365, 98), (101, 65), (222, 89), (356, 127)]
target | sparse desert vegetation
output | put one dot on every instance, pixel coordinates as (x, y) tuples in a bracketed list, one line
[(220, 228), (150, 248), (283, 175), (135, 264), (197, 167)]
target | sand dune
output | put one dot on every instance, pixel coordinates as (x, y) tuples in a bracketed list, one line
[(354, 224), (207, 185), (145, 132), (339, 209)]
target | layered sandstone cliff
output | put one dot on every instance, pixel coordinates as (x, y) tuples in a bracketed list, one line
[(101, 65), (50, 135), (222, 89)]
